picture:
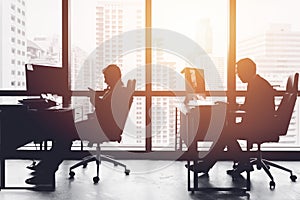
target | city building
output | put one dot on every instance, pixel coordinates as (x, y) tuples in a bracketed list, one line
[(277, 55), (13, 50)]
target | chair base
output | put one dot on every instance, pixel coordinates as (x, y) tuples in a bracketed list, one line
[(97, 158), (264, 164)]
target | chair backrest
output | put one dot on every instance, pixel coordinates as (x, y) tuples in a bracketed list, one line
[(287, 104), (120, 106)]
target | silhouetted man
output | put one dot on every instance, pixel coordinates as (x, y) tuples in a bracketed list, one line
[(260, 109), (102, 125)]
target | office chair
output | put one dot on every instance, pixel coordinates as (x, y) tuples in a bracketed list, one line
[(98, 157), (283, 116)]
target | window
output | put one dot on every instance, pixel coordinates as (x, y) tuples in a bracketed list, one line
[(195, 35), (44, 39), (97, 41), (42, 30), (270, 35), (190, 33)]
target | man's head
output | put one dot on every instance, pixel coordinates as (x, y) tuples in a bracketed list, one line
[(246, 69), (112, 74)]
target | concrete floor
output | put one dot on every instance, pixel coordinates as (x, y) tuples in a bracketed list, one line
[(161, 180)]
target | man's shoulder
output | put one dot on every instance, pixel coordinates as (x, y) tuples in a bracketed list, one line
[(262, 81)]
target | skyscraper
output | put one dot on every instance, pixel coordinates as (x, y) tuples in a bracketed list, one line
[(113, 18), (13, 50), (277, 55)]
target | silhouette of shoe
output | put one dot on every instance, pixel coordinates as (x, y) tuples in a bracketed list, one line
[(240, 168), (37, 167), (230, 172), (40, 180), (199, 167), (33, 166), (38, 171)]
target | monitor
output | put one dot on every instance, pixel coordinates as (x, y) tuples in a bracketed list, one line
[(45, 79)]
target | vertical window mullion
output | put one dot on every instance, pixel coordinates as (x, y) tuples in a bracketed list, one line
[(148, 76)]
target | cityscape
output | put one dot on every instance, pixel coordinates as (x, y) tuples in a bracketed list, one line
[(276, 52)]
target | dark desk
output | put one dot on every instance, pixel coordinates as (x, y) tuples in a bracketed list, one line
[(20, 126), (202, 122)]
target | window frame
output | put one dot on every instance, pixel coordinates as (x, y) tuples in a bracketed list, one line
[(148, 93)]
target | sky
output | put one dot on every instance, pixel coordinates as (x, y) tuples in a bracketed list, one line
[(253, 16)]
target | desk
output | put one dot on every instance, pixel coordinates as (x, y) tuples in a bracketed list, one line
[(20, 125), (202, 122)]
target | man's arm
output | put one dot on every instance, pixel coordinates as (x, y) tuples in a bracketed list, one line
[(94, 99)]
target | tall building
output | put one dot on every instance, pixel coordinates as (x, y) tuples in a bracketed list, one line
[(13, 47), (113, 18), (210, 62), (204, 34), (277, 55)]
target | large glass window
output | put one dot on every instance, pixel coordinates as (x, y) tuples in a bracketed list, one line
[(269, 33), (30, 32), (192, 33), (110, 32), (103, 33)]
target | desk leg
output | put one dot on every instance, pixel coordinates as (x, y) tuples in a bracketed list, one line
[(189, 175), (194, 186), (248, 181), (2, 173), (195, 177)]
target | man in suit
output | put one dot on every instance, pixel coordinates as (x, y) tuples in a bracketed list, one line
[(259, 109)]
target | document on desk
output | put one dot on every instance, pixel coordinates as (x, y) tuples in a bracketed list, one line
[(200, 103)]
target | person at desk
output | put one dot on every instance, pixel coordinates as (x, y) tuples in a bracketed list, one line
[(85, 130), (259, 107)]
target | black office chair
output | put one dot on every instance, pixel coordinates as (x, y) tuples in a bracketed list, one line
[(282, 117), (124, 105)]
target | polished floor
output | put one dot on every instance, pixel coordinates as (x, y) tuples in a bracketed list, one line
[(161, 180)]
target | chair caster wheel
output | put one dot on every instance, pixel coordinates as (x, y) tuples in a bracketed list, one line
[(84, 165), (293, 178), (71, 174), (96, 179), (127, 171), (272, 185)]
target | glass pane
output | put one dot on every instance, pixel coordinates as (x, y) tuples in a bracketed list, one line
[(270, 35), (110, 32), (190, 33), (133, 136), (30, 32), (164, 123), (103, 33)]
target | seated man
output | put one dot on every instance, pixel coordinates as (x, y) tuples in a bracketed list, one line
[(260, 109), (102, 126)]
